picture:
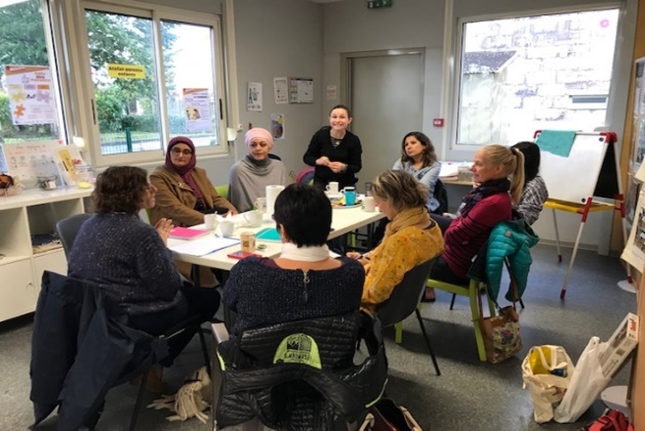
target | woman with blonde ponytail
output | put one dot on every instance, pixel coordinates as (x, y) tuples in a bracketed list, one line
[(498, 172)]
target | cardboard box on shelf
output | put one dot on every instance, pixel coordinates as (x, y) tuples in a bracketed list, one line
[(620, 345)]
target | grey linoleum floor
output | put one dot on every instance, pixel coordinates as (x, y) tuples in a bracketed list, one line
[(469, 395)]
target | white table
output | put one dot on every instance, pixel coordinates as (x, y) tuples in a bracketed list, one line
[(343, 222)]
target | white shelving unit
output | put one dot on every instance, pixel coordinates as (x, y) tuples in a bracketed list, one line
[(29, 213)]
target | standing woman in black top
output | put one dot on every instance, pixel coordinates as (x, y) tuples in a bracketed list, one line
[(334, 151)]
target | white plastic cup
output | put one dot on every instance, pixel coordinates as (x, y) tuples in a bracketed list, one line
[(332, 187), (227, 227), (368, 204), (210, 221)]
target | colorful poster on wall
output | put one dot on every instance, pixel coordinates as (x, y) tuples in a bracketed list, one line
[(31, 95), (198, 110), (277, 126), (254, 97)]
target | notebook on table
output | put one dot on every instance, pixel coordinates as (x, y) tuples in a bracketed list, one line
[(268, 234), (187, 233)]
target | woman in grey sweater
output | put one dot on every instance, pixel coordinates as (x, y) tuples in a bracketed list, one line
[(249, 177)]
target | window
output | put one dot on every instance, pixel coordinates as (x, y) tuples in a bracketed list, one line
[(30, 102), (519, 75), (154, 77)]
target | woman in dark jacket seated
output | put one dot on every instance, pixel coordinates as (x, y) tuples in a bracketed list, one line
[(129, 261), (304, 282)]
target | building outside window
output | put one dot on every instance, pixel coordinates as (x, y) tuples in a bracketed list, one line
[(519, 75)]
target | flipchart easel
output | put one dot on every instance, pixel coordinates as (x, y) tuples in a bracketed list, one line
[(590, 170)]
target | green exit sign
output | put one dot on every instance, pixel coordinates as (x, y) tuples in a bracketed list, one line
[(375, 4)]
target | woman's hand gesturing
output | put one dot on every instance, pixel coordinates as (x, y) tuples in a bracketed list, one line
[(164, 226)]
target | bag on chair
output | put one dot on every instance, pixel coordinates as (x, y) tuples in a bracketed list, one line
[(386, 415), (546, 372)]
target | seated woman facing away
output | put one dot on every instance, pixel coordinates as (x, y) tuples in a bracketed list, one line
[(304, 282), (419, 159), (184, 192), (486, 205), (535, 192), (410, 238), (249, 177), (128, 259)]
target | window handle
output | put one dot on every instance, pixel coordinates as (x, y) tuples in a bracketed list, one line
[(93, 111)]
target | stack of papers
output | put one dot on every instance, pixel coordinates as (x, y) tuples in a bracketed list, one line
[(204, 246)]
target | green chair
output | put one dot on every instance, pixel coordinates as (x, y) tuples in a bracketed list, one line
[(222, 190), (471, 291)]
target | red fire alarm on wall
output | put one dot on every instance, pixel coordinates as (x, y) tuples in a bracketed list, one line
[(437, 122)]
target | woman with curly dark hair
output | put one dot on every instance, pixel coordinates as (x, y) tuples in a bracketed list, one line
[(129, 260)]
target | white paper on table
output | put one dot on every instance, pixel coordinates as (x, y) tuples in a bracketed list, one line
[(204, 246)]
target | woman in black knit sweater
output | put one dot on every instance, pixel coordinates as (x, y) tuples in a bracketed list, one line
[(304, 282), (129, 261)]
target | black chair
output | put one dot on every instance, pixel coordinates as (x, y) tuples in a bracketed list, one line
[(441, 194), (67, 230), (405, 300)]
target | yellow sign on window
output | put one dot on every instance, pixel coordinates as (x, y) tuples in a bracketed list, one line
[(126, 71)]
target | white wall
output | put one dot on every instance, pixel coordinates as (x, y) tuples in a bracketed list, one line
[(280, 38)]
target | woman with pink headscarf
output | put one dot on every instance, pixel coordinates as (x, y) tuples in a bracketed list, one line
[(249, 177), (184, 192)]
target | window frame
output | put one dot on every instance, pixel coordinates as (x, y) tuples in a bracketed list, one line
[(86, 97), (452, 149)]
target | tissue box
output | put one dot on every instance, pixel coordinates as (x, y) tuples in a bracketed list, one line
[(620, 345)]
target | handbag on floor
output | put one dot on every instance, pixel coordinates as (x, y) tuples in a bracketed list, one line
[(546, 372), (386, 415), (501, 333), (611, 420)]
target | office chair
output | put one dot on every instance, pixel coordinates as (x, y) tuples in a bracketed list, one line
[(405, 300), (67, 229)]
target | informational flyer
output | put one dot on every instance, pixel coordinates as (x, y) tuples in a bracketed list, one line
[(198, 110), (254, 97), (277, 126), (634, 252), (281, 90), (332, 92), (27, 161), (31, 95), (301, 90)]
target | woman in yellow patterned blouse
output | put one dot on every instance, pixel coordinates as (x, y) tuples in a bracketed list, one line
[(410, 238)]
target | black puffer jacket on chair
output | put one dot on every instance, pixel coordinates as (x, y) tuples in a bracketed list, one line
[(300, 375)]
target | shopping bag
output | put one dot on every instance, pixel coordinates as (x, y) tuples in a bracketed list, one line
[(386, 415), (586, 384), (501, 333), (546, 372)]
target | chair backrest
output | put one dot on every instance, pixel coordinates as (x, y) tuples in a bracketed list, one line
[(222, 190), (305, 176), (274, 157), (406, 296), (441, 195), (67, 229)]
